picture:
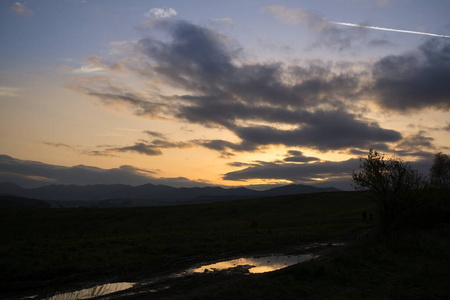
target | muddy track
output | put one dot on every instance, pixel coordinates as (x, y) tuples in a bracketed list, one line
[(182, 287), (173, 283)]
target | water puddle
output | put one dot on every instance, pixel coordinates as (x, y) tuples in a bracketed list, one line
[(255, 264), (243, 265), (96, 291)]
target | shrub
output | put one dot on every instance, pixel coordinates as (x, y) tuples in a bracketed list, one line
[(398, 188), (440, 171)]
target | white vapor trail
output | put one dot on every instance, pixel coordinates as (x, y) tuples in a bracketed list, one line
[(390, 29)]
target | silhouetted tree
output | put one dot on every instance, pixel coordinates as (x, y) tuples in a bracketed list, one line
[(440, 171), (393, 182)]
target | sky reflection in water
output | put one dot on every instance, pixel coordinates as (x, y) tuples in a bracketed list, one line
[(93, 292), (259, 264)]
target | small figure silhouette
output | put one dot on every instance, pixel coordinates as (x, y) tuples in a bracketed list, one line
[(364, 215)]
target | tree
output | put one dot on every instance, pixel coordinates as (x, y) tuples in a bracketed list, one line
[(393, 182), (440, 171)]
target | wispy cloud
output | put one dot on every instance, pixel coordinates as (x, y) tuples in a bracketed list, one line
[(390, 29), (21, 9), (87, 70), (161, 13), (6, 91), (228, 21), (59, 145), (329, 35)]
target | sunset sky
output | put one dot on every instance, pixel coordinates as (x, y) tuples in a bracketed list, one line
[(230, 93)]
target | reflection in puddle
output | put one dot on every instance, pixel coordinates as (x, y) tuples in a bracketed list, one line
[(253, 264), (96, 291), (258, 264)]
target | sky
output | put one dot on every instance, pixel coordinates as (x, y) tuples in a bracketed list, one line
[(227, 93)]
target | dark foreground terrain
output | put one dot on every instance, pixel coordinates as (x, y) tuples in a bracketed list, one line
[(46, 251)]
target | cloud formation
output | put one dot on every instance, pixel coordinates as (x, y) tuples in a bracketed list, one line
[(21, 9), (6, 91), (329, 34), (261, 103), (414, 81), (139, 147), (34, 174), (312, 104), (161, 13), (304, 173), (298, 157)]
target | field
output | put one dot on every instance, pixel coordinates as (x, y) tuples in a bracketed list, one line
[(53, 249)]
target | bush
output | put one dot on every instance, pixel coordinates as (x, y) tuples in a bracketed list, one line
[(400, 189), (440, 171)]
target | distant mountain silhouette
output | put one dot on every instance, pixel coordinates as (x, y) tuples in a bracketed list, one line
[(148, 194), (13, 201), (10, 188)]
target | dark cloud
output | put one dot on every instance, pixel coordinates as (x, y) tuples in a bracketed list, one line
[(59, 145), (33, 174), (222, 145), (323, 130), (416, 80), (148, 148), (155, 134), (414, 153), (380, 43), (415, 145), (321, 174), (168, 144), (104, 153), (297, 173), (417, 141), (242, 164), (252, 100), (139, 147), (297, 156), (111, 95), (380, 147), (98, 153)]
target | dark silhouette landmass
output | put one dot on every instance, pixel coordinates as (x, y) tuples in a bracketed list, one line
[(14, 201), (118, 195)]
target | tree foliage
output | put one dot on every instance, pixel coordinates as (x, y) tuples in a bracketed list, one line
[(386, 177), (440, 171), (395, 184)]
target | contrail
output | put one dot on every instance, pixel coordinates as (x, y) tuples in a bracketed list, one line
[(390, 29)]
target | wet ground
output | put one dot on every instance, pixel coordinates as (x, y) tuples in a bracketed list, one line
[(179, 281)]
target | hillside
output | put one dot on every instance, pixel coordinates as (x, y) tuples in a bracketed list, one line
[(13, 201), (119, 195), (77, 248)]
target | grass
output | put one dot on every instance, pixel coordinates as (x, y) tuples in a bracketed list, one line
[(55, 246), (406, 266), (47, 244)]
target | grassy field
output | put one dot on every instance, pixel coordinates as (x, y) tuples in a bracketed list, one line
[(55, 246), (407, 266), (47, 244)]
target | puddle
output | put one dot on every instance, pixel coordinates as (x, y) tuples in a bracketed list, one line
[(256, 264), (96, 291)]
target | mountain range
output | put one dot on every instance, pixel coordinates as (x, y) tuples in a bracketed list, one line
[(145, 195)]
